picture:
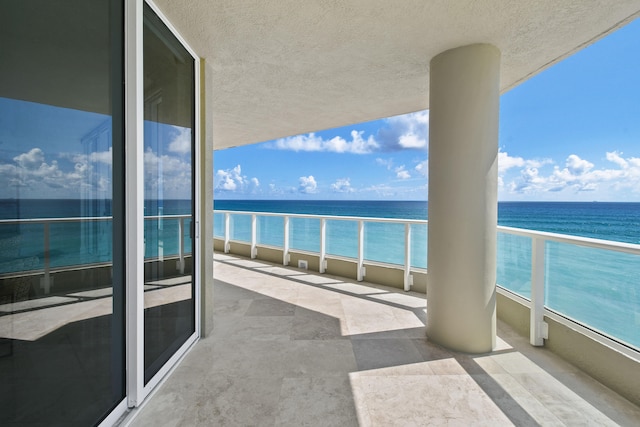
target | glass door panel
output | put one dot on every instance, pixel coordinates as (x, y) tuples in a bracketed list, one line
[(61, 212), (169, 113)]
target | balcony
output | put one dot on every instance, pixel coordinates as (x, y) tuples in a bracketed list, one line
[(293, 347)]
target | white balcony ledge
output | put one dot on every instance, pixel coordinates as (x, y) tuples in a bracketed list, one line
[(293, 347)]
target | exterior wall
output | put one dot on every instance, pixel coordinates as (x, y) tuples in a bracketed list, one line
[(513, 314), (269, 254), (313, 261), (344, 268), (242, 249), (218, 245)]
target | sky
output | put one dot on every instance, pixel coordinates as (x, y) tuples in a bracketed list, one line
[(50, 152), (570, 133)]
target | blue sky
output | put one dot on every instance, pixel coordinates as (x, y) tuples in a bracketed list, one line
[(571, 133)]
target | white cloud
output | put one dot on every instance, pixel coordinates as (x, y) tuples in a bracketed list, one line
[(616, 158), (307, 185), (506, 162), (312, 142), (166, 176), (38, 177), (32, 160), (423, 168), (402, 173), (408, 131), (580, 175), (104, 157), (233, 180), (181, 140), (342, 185), (578, 166)]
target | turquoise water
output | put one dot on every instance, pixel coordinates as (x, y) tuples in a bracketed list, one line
[(599, 288), (75, 243)]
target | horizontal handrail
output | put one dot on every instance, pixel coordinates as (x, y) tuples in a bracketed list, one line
[(630, 248), (327, 217), (590, 242), (80, 219)]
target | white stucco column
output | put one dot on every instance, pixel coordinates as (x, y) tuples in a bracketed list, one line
[(463, 175)]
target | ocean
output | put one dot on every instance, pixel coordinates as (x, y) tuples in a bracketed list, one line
[(596, 287)]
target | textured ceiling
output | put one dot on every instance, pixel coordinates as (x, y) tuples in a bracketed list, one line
[(284, 67)]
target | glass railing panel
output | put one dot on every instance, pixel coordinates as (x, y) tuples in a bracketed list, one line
[(304, 234), (78, 243), (218, 225), (384, 242), (514, 263), (419, 245), (240, 228), (596, 287), (21, 247), (342, 238), (270, 230), (186, 231)]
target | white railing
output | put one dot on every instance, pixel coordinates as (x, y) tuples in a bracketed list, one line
[(47, 281), (360, 258), (538, 278), (539, 239)]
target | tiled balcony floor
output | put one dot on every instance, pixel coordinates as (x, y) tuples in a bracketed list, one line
[(296, 348)]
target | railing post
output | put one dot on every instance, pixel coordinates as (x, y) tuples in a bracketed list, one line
[(46, 280), (407, 257), (227, 228), (254, 228), (285, 245), (323, 245), (181, 245), (538, 328), (361, 271)]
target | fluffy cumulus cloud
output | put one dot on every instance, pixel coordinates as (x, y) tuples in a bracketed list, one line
[(37, 176), (577, 175), (180, 140), (311, 142), (166, 176), (232, 180), (308, 184), (408, 131), (506, 162), (405, 131), (402, 173), (342, 185)]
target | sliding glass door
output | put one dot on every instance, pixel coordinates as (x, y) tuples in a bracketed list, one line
[(81, 295), (169, 124), (62, 325)]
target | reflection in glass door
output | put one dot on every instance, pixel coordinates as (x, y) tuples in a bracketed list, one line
[(169, 115), (62, 262)]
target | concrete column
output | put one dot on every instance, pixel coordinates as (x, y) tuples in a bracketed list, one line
[(463, 175)]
